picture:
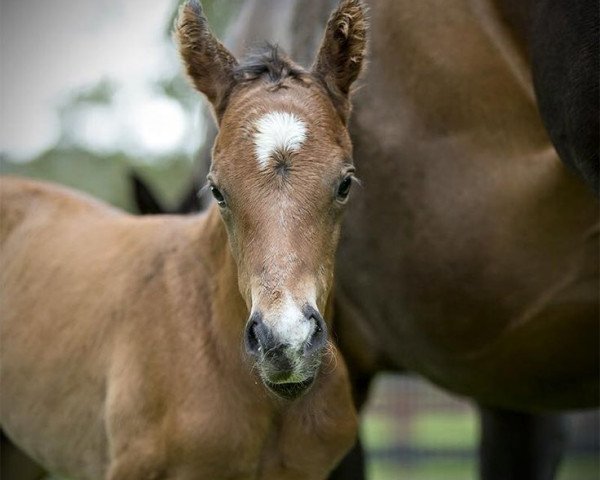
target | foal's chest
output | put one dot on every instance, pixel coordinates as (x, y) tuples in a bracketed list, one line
[(255, 446)]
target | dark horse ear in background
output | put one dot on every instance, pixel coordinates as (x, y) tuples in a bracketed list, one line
[(147, 200), (209, 65), (342, 52)]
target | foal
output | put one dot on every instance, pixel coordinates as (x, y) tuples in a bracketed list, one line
[(122, 336)]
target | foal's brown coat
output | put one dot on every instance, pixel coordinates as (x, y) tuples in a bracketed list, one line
[(122, 351)]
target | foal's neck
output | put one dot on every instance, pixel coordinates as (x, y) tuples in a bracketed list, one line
[(226, 318)]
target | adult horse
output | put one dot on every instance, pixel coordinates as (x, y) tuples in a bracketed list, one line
[(122, 335), (471, 254)]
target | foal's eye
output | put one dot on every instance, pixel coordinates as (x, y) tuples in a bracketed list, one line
[(344, 188), (218, 195)]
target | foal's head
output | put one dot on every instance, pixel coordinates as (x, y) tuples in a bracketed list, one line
[(281, 173)]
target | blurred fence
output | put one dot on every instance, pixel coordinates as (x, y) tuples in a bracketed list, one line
[(415, 431)]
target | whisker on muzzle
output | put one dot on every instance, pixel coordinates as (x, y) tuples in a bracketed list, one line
[(330, 360)]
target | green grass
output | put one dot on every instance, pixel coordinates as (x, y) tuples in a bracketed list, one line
[(580, 468), (433, 430), (572, 469), (438, 430), (425, 470), (377, 431)]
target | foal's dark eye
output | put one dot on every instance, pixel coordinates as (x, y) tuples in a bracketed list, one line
[(218, 195), (344, 188)]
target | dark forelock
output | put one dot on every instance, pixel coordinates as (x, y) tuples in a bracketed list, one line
[(270, 63)]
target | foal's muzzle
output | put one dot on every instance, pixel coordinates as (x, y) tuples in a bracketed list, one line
[(287, 368)]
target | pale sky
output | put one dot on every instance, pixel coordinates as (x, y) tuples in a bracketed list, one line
[(49, 48)]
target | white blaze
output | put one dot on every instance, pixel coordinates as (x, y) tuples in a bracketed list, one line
[(278, 132)]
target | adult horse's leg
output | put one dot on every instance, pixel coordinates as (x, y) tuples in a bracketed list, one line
[(517, 445), (15, 465)]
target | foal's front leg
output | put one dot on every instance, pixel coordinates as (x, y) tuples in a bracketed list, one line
[(352, 466), (517, 445)]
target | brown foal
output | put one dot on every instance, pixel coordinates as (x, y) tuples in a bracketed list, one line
[(123, 338)]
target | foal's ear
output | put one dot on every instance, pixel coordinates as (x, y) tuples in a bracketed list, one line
[(209, 65), (342, 51)]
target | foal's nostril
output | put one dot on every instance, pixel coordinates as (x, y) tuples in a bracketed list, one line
[(318, 338), (252, 344), (256, 334)]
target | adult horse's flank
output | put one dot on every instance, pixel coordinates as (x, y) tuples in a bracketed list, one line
[(123, 336)]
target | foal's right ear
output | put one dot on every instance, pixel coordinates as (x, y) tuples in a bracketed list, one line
[(342, 53), (209, 65)]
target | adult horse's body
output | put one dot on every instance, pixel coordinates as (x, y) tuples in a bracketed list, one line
[(474, 250), (471, 254), (122, 336)]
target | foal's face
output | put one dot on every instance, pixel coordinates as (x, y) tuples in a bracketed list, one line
[(281, 175)]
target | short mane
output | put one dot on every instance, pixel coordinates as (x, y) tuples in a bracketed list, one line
[(269, 62)]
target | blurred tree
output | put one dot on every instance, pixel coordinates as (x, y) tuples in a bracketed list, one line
[(72, 106)]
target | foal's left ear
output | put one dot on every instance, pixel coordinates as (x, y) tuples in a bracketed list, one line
[(209, 65), (342, 53)]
